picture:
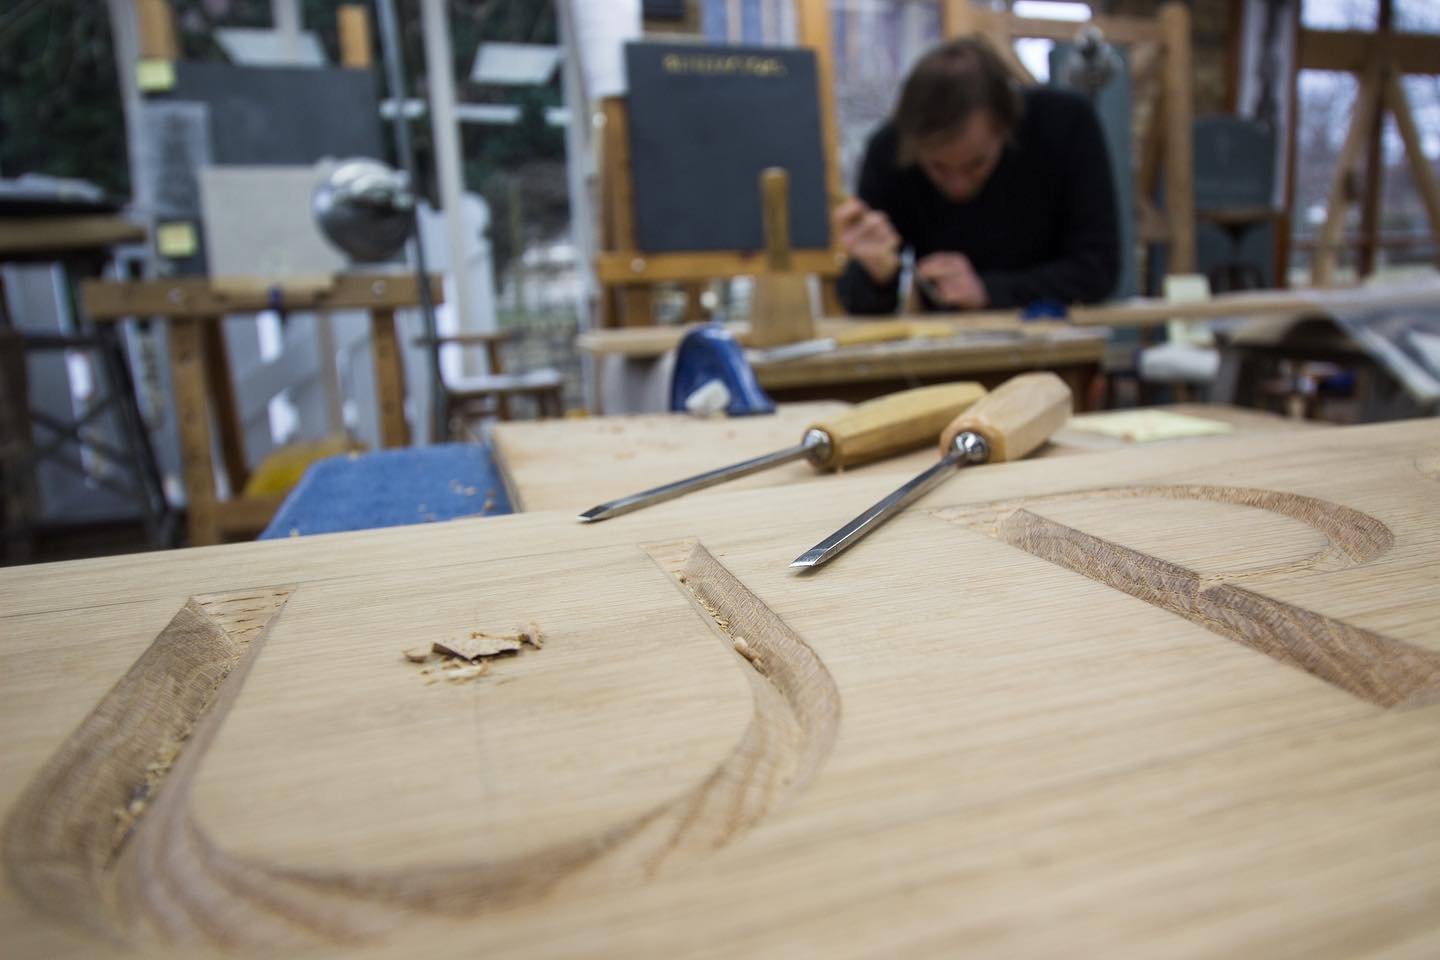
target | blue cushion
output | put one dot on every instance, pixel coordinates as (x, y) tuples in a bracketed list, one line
[(392, 488)]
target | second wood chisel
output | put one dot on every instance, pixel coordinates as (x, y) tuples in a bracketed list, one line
[(1012, 421), (875, 429)]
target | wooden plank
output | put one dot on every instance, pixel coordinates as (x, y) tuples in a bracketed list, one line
[(353, 21), (1399, 106), (987, 743), (389, 379), (621, 455), (631, 268), (1357, 51), (192, 413), (32, 236), (942, 359), (1367, 103), (195, 298), (1179, 135)]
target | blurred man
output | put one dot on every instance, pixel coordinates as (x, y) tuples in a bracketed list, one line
[(1004, 196)]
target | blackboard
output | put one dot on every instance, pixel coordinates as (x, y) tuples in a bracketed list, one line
[(284, 115), (704, 121)]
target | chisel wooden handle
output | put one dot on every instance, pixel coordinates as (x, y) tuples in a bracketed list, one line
[(893, 424), (1016, 417)]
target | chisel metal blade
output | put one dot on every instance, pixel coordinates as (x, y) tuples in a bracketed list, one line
[(814, 440), (970, 450)]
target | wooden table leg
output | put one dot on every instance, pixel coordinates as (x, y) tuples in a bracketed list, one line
[(192, 411), (220, 383), (389, 379)]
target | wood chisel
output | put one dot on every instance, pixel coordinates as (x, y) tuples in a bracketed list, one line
[(1012, 421), (872, 430)]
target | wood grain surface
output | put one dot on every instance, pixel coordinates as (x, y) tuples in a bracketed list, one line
[(575, 464), (1170, 701)]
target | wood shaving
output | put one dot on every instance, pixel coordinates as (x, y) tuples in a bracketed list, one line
[(464, 657), (749, 653), (155, 771), (478, 643)]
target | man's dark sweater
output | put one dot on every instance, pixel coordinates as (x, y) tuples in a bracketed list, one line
[(1042, 226)]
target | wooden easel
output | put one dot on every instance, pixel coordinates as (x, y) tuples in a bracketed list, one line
[(1380, 90), (1168, 139), (1379, 59), (204, 389), (627, 276)]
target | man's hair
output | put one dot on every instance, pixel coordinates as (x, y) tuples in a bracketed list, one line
[(946, 87)]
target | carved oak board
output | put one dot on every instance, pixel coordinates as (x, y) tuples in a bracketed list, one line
[(1178, 701)]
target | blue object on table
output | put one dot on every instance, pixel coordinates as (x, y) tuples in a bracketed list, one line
[(712, 353), (391, 488), (1044, 310)]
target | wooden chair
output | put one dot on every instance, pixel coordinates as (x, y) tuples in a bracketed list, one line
[(489, 394)]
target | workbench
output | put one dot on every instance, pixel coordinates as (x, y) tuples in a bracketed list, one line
[(989, 352), (1176, 701)]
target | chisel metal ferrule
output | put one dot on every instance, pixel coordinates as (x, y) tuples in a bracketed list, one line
[(970, 447), (818, 448)]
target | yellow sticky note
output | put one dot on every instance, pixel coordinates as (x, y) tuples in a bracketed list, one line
[(154, 76), (176, 239), (1147, 426)]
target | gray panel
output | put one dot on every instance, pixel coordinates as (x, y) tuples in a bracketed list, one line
[(1112, 104), (284, 115)]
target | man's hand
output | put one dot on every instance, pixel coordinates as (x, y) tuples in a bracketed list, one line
[(869, 238), (954, 280)]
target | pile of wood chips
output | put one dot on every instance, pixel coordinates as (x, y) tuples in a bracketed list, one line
[(467, 655)]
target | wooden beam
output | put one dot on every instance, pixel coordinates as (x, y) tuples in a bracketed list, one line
[(1374, 170), (20, 236), (1152, 147), (1120, 29), (192, 413), (1179, 149), (389, 379), (1367, 102), (636, 267), (959, 18), (1399, 105), (353, 20), (1283, 236), (158, 39), (813, 25), (196, 298), (615, 157), (1355, 51)]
